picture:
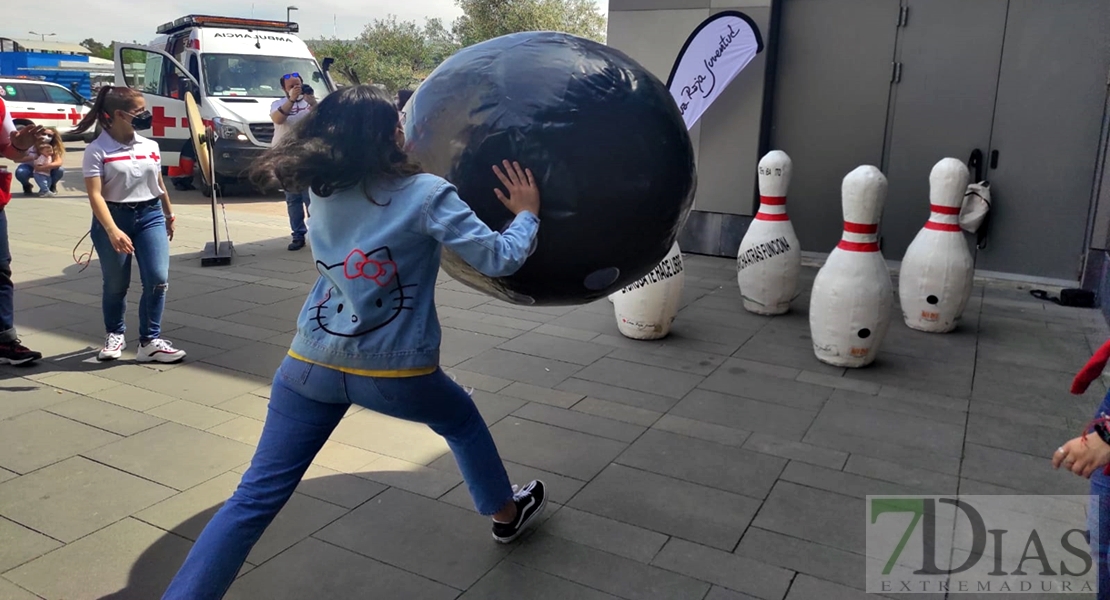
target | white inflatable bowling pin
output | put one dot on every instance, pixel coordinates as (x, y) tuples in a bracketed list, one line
[(770, 259), (934, 283), (849, 309), (645, 309)]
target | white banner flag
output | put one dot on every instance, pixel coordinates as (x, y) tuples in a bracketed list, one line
[(712, 57)]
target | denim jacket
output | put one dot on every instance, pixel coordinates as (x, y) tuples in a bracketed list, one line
[(372, 311)]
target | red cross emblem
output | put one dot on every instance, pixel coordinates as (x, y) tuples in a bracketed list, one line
[(161, 121), (154, 156), (74, 116)]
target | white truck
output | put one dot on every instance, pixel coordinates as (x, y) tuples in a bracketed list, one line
[(234, 67)]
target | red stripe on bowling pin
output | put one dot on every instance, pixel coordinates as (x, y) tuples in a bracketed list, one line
[(772, 215), (941, 226), (859, 229)]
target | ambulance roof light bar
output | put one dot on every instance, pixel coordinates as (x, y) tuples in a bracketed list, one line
[(227, 23)]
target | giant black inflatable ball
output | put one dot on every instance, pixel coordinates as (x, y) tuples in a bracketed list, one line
[(603, 137)]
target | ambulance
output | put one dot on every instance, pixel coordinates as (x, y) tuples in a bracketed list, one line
[(234, 67)]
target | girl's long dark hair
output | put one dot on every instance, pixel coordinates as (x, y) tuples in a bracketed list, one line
[(347, 139), (108, 100)]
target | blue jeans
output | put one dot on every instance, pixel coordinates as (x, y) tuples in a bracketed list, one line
[(145, 224), (296, 203), (306, 403), (1098, 517), (7, 288), (25, 171)]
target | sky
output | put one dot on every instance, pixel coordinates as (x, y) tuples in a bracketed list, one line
[(124, 20)]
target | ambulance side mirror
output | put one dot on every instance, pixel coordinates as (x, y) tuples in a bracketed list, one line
[(326, 65)]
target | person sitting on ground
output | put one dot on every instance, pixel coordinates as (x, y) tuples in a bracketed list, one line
[(368, 333), (26, 171)]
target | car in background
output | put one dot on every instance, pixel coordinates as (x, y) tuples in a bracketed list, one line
[(33, 101)]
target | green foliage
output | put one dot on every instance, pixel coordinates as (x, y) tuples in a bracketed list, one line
[(487, 19), (395, 54), (97, 49), (400, 54)]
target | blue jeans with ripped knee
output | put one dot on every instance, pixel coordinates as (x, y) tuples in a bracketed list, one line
[(145, 224), (306, 403)]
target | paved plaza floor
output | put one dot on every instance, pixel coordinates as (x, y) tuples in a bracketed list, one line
[(722, 463)]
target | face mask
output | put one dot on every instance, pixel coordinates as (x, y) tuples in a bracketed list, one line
[(142, 121)]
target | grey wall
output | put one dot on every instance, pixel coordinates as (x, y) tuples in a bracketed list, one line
[(726, 138)]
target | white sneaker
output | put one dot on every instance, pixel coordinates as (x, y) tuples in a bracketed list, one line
[(113, 347), (159, 350)]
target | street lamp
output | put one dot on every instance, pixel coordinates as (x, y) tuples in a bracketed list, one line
[(41, 34), (289, 9)]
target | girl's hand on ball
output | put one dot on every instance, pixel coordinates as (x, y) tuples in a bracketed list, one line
[(523, 193)]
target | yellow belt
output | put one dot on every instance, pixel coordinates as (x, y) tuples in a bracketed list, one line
[(368, 372)]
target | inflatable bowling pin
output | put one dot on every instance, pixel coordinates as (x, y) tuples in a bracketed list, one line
[(849, 309), (770, 259), (645, 309), (935, 281)]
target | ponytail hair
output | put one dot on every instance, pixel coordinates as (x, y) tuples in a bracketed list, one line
[(108, 100)]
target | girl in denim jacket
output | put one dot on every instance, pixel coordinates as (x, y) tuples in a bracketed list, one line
[(368, 332)]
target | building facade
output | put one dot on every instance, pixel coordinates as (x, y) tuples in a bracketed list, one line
[(901, 84)]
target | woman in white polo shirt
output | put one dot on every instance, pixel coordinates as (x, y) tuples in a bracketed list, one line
[(132, 217)]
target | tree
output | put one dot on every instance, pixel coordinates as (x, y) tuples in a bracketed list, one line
[(97, 49), (395, 54), (487, 19)]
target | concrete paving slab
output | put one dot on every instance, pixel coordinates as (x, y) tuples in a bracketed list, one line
[(617, 412), (513, 581), (659, 503), (191, 414), (787, 422), (76, 497), (611, 393), (106, 416), (841, 417), (560, 489), (37, 439), (606, 572), (202, 383), (561, 451), (813, 515), (396, 527), (640, 378), (728, 570), (411, 477), (604, 534), (377, 433), (11, 591), (707, 463), (803, 556), (578, 421), (534, 393), (22, 396), (19, 545), (556, 348), (296, 574), (796, 451), (173, 455), (128, 560), (543, 372)]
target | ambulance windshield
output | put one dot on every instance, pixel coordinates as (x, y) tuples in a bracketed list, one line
[(257, 76)]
